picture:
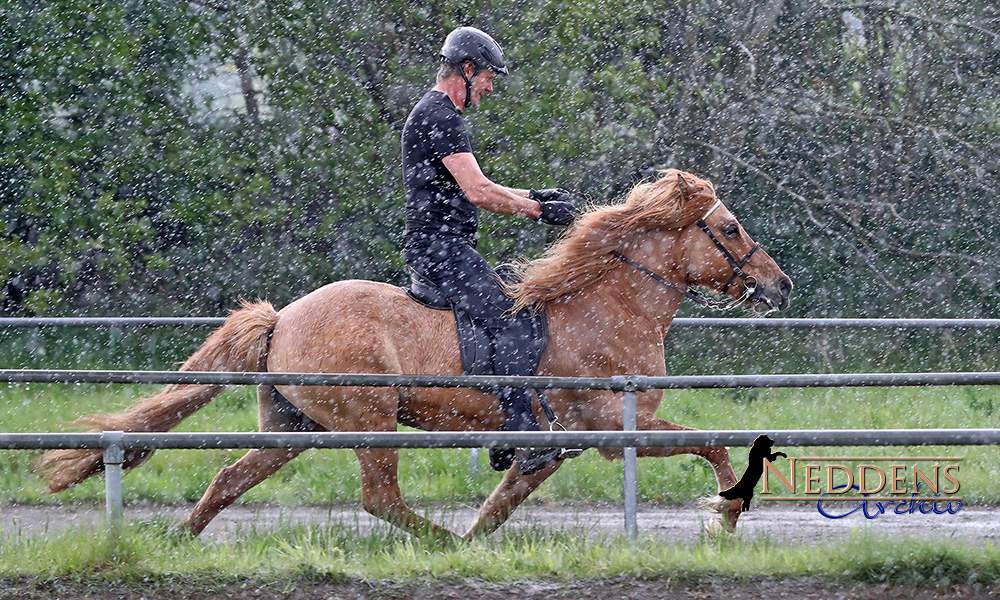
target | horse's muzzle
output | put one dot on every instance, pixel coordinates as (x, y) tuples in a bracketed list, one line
[(773, 296)]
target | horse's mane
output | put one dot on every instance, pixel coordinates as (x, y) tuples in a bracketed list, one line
[(584, 254)]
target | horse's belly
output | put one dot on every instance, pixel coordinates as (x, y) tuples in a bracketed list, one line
[(365, 327), (449, 409)]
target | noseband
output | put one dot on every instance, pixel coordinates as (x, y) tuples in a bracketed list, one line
[(749, 281)]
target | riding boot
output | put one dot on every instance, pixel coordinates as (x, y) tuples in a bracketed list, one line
[(532, 460), (516, 404)]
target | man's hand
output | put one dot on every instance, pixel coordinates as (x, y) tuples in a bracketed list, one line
[(550, 195), (556, 207)]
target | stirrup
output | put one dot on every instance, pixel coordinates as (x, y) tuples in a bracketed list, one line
[(564, 453), (550, 416)]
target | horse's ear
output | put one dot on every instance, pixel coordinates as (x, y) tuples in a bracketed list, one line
[(686, 189)]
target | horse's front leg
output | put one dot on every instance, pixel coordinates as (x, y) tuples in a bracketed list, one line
[(717, 456), (507, 496), (381, 497)]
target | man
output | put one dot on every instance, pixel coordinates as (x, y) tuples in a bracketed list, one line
[(445, 188)]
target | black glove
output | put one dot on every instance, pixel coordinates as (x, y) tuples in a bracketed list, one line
[(550, 195), (556, 208)]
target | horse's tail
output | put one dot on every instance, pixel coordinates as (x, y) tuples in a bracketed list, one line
[(239, 345)]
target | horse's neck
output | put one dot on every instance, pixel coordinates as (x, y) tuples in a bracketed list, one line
[(620, 322)]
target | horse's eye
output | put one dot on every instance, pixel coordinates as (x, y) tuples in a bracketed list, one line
[(731, 230)]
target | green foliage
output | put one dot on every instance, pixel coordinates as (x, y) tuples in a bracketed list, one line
[(859, 143)]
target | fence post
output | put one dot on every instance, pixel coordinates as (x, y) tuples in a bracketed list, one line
[(631, 484), (114, 457), (473, 463)]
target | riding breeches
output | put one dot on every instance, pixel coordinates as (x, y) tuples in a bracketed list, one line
[(472, 286)]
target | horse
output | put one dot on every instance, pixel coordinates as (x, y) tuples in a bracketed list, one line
[(610, 287)]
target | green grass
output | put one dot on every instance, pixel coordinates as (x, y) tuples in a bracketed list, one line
[(151, 551), (442, 475)]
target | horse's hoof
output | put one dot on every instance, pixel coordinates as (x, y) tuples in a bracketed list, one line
[(714, 528)]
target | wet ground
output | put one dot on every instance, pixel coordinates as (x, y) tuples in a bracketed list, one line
[(623, 588), (783, 523)]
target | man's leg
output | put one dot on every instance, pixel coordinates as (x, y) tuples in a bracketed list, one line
[(471, 284)]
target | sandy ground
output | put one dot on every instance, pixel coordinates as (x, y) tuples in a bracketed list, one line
[(783, 523)]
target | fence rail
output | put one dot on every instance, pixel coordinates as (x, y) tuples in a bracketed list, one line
[(775, 323), (500, 439), (114, 445), (493, 382)]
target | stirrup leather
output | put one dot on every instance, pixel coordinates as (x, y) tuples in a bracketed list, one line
[(550, 416)]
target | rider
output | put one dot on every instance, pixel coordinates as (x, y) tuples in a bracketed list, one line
[(444, 190)]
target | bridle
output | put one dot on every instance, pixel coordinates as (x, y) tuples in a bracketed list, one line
[(749, 282), (737, 266)]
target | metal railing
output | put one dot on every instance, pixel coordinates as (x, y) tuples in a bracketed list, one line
[(115, 444), (769, 323), (618, 383)]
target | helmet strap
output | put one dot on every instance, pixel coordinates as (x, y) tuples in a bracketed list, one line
[(468, 85)]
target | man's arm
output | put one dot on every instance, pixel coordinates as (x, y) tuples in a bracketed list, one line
[(488, 195)]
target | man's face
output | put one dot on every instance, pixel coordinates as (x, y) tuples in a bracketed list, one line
[(481, 85)]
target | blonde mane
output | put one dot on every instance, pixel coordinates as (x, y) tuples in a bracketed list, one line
[(584, 254)]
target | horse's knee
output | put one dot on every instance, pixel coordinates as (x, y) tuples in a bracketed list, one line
[(715, 454)]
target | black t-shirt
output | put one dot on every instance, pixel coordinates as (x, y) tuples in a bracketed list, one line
[(435, 204)]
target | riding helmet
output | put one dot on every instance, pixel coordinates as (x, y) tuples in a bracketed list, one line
[(469, 43)]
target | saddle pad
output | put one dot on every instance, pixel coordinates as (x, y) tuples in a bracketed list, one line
[(474, 341), (477, 346)]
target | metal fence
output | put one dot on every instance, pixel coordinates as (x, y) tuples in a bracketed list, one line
[(115, 444)]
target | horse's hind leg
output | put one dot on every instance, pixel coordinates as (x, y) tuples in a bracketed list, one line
[(382, 498), (274, 414), (514, 488)]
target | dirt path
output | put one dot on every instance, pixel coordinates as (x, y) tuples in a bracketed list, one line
[(678, 524), (589, 589)]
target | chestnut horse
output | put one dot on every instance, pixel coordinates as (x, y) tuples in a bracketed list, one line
[(610, 288)]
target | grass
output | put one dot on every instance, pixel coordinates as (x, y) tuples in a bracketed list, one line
[(321, 477), (148, 552)]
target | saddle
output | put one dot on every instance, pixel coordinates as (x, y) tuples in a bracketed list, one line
[(474, 341), (476, 346)]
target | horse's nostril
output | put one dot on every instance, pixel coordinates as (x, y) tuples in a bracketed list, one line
[(785, 286)]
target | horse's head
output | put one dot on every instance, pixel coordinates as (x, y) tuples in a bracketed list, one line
[(675, 231), (716, 252)]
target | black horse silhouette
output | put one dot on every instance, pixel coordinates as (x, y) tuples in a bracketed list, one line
[(760, 450)]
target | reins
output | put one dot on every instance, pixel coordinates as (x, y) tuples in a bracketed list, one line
[(749, 282), (660, 279)]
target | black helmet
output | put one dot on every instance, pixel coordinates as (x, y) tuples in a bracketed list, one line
[(469, 43)]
